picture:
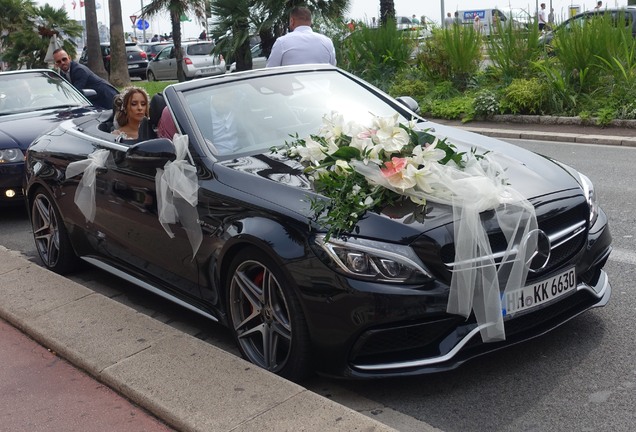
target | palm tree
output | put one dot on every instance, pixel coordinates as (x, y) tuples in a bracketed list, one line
[(387, 11), (176, 9), (232, 31), (119, 76), (94, 51), (26, 31)]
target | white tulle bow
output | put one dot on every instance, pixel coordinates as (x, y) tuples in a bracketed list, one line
[(177, 194), (85, 192), (476, 277)]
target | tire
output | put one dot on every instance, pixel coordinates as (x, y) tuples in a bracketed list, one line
[(51, 238), (265, 316), (150, 76)]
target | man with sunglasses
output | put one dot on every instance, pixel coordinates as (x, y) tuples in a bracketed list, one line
[(83, 78)]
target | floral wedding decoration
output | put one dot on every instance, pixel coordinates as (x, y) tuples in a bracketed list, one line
[(361, 168)]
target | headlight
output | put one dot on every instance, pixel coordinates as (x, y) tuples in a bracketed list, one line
[(590, 196), (11, 155), (373, 260), (588, 190)]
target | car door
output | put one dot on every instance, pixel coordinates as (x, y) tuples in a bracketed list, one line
[(132, 234), (164, 64)]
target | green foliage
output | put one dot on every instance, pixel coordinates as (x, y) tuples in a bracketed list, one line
[(583, 51), (153, 87), (444, 90), (604, 116), (485, 104), (375, 53), (523, 96), (452, 109), (512, 50), (24, 44), (410, 82), (451, 54)]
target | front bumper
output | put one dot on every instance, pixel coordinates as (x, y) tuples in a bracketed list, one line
[(11, 176)]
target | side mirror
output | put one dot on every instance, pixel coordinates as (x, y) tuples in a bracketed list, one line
[(89, 93), (154, 153), (410, 103)]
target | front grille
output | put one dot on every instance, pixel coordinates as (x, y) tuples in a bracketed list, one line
[(566, 229)]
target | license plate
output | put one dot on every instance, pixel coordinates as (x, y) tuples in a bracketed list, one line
[(133, 66), (539, 293), (207, 70)]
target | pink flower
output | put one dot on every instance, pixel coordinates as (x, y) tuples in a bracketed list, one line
[(393, 167)]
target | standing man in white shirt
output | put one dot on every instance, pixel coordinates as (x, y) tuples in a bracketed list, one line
[(301, 45)]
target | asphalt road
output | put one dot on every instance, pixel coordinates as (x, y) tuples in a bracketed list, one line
[(580, 377)]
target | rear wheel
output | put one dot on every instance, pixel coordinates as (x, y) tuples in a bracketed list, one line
[(51, 238), (266, 318), (150, 76)]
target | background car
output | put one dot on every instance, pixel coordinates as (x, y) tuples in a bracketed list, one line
[(136, 58), (259, 61), (153, 48), (246, 247), (31, 103), (198, 62)]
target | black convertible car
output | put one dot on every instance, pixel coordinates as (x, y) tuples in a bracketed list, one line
[(219, 222), (31, 103)]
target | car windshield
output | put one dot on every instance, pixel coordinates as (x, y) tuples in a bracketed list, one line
[(200, 49), (256, 114), (25, 92)]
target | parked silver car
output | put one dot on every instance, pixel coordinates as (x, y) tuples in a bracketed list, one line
[(198, 62)]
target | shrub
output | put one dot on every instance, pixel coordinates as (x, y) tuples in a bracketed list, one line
[(485, 104), (523, 96), (452, 109)]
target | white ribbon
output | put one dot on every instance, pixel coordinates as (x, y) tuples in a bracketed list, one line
[(476, 279), (85, 192), (177, 194)]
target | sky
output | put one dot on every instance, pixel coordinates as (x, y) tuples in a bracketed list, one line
[(359, 10)]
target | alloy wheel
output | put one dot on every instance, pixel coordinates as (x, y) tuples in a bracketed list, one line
[(260, 316), (46, 230)]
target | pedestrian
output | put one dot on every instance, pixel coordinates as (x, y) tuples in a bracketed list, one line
[(477, 24), (551, 19), (599, 5), (448, 21), (203, 35), (414, 20), (542, 18), (456, 18), (155, 38), (301, 45), (83, 78), (130, 106)]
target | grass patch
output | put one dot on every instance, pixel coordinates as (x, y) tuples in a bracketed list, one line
[(152, 87)]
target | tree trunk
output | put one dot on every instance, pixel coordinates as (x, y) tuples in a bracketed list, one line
[(243, 53), (175, 19), (387, 11), (95, 59), (118, 64)]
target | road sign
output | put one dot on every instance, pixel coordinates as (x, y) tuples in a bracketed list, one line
[(142, 24), (133, 18)]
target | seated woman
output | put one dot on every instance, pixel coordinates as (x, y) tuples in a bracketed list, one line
[(130, 107)]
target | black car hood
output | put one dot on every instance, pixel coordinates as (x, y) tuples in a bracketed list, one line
[(282, 183), (20, 130)]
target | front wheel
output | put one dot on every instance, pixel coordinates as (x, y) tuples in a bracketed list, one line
[(266, 318), (51, 238), (150, 76)]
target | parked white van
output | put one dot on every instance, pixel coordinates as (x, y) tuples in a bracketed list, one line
[(487, 17)]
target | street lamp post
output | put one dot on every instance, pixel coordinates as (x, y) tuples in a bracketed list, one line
[(441, 5)]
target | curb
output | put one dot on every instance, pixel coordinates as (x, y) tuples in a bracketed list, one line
[(189, 384), (552, 136)]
